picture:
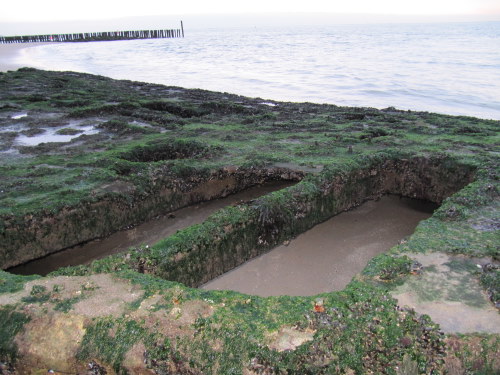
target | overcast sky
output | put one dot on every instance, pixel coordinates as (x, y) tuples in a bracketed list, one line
[(23, 12), (48, 10)]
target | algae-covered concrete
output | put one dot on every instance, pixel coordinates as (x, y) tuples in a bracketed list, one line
[(135, 150)]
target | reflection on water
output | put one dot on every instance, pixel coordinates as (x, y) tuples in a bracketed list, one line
[(52, 135)]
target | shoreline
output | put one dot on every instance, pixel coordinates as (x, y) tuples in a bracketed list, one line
[(162, 147), (9, 54), (345, 86)]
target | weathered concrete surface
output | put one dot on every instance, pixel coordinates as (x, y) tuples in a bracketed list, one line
[(449, 292)]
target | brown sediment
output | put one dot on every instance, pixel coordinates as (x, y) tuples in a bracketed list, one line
[(268, 222), (326, 257), (43, 234), (143, 234)]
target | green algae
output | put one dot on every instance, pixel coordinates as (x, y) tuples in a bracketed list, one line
[(12, 323), (109, 340), (388, 268), (38, 294), (66, 305), (325, 136), (241, 324), (490, 279), (10, 283), (190, 134), (477, 354)]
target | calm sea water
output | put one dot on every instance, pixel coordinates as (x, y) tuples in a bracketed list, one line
[(445, 68)]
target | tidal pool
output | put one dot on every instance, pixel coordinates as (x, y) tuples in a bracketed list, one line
[(326, 257)]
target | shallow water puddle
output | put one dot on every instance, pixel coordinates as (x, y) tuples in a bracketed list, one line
[(18, 116), (449, 292), (52, 135), (326, 257), (144, 234)]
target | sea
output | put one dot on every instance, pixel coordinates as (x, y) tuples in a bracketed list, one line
[(450, 68)]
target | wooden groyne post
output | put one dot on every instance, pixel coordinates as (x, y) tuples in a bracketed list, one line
[(94, 37)]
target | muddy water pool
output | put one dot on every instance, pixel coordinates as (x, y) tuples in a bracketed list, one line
[(326, 257), (144, 234)]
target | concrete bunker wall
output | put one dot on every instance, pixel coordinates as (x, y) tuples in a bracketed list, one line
[(236, 234)]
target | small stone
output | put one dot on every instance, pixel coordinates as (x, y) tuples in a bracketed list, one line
[(416, 268), (176, 311), (87, 286), (318, 305)]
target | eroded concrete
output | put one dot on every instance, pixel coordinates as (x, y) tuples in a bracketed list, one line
[(448, 290)]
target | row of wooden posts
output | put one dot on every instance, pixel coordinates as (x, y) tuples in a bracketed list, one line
[(100, 36)]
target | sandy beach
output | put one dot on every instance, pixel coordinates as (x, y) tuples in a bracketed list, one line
[(9, 54)]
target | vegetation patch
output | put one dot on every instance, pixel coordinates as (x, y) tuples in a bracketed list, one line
[(68, 131), (158, 148), (38, 294), (167, 149), (123, 128), (472, 354), (391, 269), (490, 279), (109, 340), (10, 283), (12, 323)]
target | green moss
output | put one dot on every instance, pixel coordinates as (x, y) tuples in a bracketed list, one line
[(389, 268), (10, 283), (490, 279), (38, 294), (451, 237), (68, 131), (67, 304), (476, 353), (118, 108), (354, 325), (190, 136), (166, 149), (12, 323), (109, 340)]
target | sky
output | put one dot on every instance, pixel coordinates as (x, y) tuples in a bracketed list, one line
[(50, 10), (38, 12)]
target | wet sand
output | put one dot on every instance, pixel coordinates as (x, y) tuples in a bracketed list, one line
[(326, 257), (145, 234), (10, 52)]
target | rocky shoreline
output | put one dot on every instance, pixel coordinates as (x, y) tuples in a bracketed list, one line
[(135, 150)]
